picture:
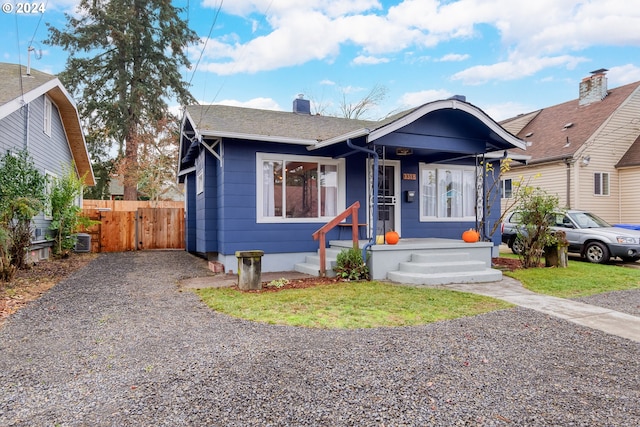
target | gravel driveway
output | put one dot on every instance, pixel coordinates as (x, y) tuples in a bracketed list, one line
[(118, 344)]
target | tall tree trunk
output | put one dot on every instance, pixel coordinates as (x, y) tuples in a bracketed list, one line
[(130, 178)]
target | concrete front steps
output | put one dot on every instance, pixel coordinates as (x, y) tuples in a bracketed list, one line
[(422, 269), (443, 269), (312, 263)]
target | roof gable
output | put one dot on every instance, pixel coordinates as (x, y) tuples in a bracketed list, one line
[(17, 88), (632, 156)]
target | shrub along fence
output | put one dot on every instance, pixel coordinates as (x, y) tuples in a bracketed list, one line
[(134, 225)]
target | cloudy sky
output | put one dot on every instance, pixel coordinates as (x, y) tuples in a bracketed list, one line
[(507, 57)]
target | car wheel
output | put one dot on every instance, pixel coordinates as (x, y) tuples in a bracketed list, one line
[(517, 247), (596, 252)]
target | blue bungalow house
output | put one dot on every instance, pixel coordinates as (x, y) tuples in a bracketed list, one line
[(268, 180)]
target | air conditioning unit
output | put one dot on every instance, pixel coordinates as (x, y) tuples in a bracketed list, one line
[(83, 242)]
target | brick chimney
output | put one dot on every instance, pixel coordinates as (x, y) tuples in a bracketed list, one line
[(301, 105), (593, 88)]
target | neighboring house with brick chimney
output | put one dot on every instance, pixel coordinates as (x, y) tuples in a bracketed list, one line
[(585, 151), (267, 180)]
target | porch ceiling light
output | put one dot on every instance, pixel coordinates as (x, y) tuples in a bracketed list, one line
[(404, 151)]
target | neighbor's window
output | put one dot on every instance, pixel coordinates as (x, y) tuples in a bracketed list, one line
[(507, 188), (48, 189), (47, 116), (601, 183), (298, 188), (447, 192)]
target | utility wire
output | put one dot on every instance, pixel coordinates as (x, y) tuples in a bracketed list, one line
[(202, 113), (215, 19)]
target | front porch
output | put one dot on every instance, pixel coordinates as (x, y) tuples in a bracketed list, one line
[(419, 261)]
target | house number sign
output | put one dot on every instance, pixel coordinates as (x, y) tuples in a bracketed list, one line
[(409, 176)]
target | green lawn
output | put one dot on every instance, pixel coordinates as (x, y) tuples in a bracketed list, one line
[(579, 279), (349, 305)]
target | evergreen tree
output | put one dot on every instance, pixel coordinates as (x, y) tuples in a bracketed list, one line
[(124, 61)]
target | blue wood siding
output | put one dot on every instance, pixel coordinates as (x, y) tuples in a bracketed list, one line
[(225, 214), (49, 153), (207, 207), (190, 212)]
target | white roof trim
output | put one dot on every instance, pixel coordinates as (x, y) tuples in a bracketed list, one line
[(340, 138), (500, 154), (447, 104), (266, 138), (17, 103)]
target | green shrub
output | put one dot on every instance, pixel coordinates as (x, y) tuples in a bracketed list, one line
[(351, 266), (67, 215), (22, 196), (536, 207)]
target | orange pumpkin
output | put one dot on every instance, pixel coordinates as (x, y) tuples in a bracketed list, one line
[(471, 236), (392, 237)]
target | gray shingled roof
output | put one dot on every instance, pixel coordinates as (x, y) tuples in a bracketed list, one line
[(12, 86), (222, 119)]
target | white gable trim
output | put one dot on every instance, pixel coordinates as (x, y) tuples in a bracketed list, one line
[(17, 103), (444, 105)]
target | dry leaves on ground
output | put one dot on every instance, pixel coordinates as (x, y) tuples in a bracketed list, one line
[(28, 285)]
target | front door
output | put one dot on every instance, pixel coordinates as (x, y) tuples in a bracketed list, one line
[(388, 195)]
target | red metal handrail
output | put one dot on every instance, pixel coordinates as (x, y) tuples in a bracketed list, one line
[(322, 232)]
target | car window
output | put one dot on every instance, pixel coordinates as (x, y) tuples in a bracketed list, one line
[(516, 218), (588, 220)]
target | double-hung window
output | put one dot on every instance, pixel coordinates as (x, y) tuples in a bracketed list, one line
[(49, 184), (299, 188), (601, 183), (48, 111), (447, 192), (507, 188)]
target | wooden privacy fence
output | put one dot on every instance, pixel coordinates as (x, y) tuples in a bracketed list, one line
[(131, 225)]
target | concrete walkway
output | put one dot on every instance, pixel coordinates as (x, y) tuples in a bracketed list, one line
[(603, 319)]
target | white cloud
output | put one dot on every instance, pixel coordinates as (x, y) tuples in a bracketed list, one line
[(533, 35), (327, 82), (618, 76), (348, 90), (506, 110), (513, 69), (414, 99), (259, 103), (453, 57), (369, 60)]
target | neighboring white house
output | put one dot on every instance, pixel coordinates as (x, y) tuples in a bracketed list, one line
[(39, 115), (585, 151)]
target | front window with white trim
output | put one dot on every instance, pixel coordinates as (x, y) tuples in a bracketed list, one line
[(447, 192), (298, 188)]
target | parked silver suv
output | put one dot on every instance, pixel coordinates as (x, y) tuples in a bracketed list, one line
[(588, 235)]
